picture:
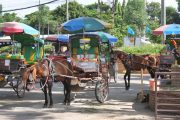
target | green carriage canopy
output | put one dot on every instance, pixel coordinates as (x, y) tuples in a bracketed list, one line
[(26, 39), (31, 47)]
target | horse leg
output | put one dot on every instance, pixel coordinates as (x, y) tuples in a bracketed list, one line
[(115, 77), (114, 73), (126, 87), (45, 94), (65, 91), (68, 91), (129, 78), (50, 84)]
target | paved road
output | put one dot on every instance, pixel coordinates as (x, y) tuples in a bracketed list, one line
[(121, 105)]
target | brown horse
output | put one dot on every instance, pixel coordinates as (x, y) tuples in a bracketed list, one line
[(48, 71), (133, 62)]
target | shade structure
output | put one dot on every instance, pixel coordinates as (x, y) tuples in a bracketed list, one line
[(167, 29), (104, 37), (61, 38), (84, 24), (9, 28), (26, 39)]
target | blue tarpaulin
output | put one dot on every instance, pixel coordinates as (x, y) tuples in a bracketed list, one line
[(130, 31)]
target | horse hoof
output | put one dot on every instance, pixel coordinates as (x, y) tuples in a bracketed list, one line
[(127, 88), (44, 106), (64, 103), (72, 99), (50, 106), (68, 104)]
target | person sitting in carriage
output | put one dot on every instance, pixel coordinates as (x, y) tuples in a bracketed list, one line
[(175, 49)]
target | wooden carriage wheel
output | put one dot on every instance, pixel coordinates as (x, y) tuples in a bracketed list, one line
[(19, 87), (102, 90)]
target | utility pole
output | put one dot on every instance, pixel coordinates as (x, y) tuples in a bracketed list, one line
[(163, 13), (39, 19), (113, 10), (98, 6), (0, 9), (67, 10), (163, 17)]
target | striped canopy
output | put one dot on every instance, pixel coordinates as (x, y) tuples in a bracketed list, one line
[(61, 38), (9, 28), (167, 29)]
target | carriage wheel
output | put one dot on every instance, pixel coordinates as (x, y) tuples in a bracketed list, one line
[(20, 89), (101, 91)]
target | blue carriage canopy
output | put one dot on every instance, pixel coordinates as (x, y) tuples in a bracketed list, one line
[(58, 38)]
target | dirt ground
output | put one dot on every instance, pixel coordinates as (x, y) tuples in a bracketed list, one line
[(121, 104)]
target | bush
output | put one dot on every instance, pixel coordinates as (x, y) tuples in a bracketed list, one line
[(145, 49)]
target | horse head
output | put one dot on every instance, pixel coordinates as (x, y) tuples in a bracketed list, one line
[(43, 67), (120, 55), (152, 65)]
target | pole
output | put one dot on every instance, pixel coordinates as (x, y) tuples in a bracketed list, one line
[(67, 10), (0, 9), (113, 9), (163, 17), (48, 27), (39, 19)]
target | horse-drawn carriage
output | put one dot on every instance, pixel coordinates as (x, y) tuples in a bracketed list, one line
[(60, 46), (90, 57), (26, 49), (169, 56)]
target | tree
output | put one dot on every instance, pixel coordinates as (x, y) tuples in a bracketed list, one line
[(75, 10), (100, 10), (170, 11), (9, 17), (178, 1), (176, 18), (153, 10), (136, 15), (44, 17)]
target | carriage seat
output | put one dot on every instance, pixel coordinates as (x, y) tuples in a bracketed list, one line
[(77, 53), (92, 53)]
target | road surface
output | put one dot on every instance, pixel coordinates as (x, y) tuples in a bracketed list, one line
[(121, 104)]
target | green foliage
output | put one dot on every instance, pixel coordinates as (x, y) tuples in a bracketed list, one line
[(5, 49), (44, 17), (153, 25), (153, 10), (135, 14), (169, 15), (178, 1), (145, 49), (75, 10), (9, 17), (48, 48)]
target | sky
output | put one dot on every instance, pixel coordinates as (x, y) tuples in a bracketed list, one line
[(13, 4)]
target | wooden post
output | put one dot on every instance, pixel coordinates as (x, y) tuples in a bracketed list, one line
[(142, 87)]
